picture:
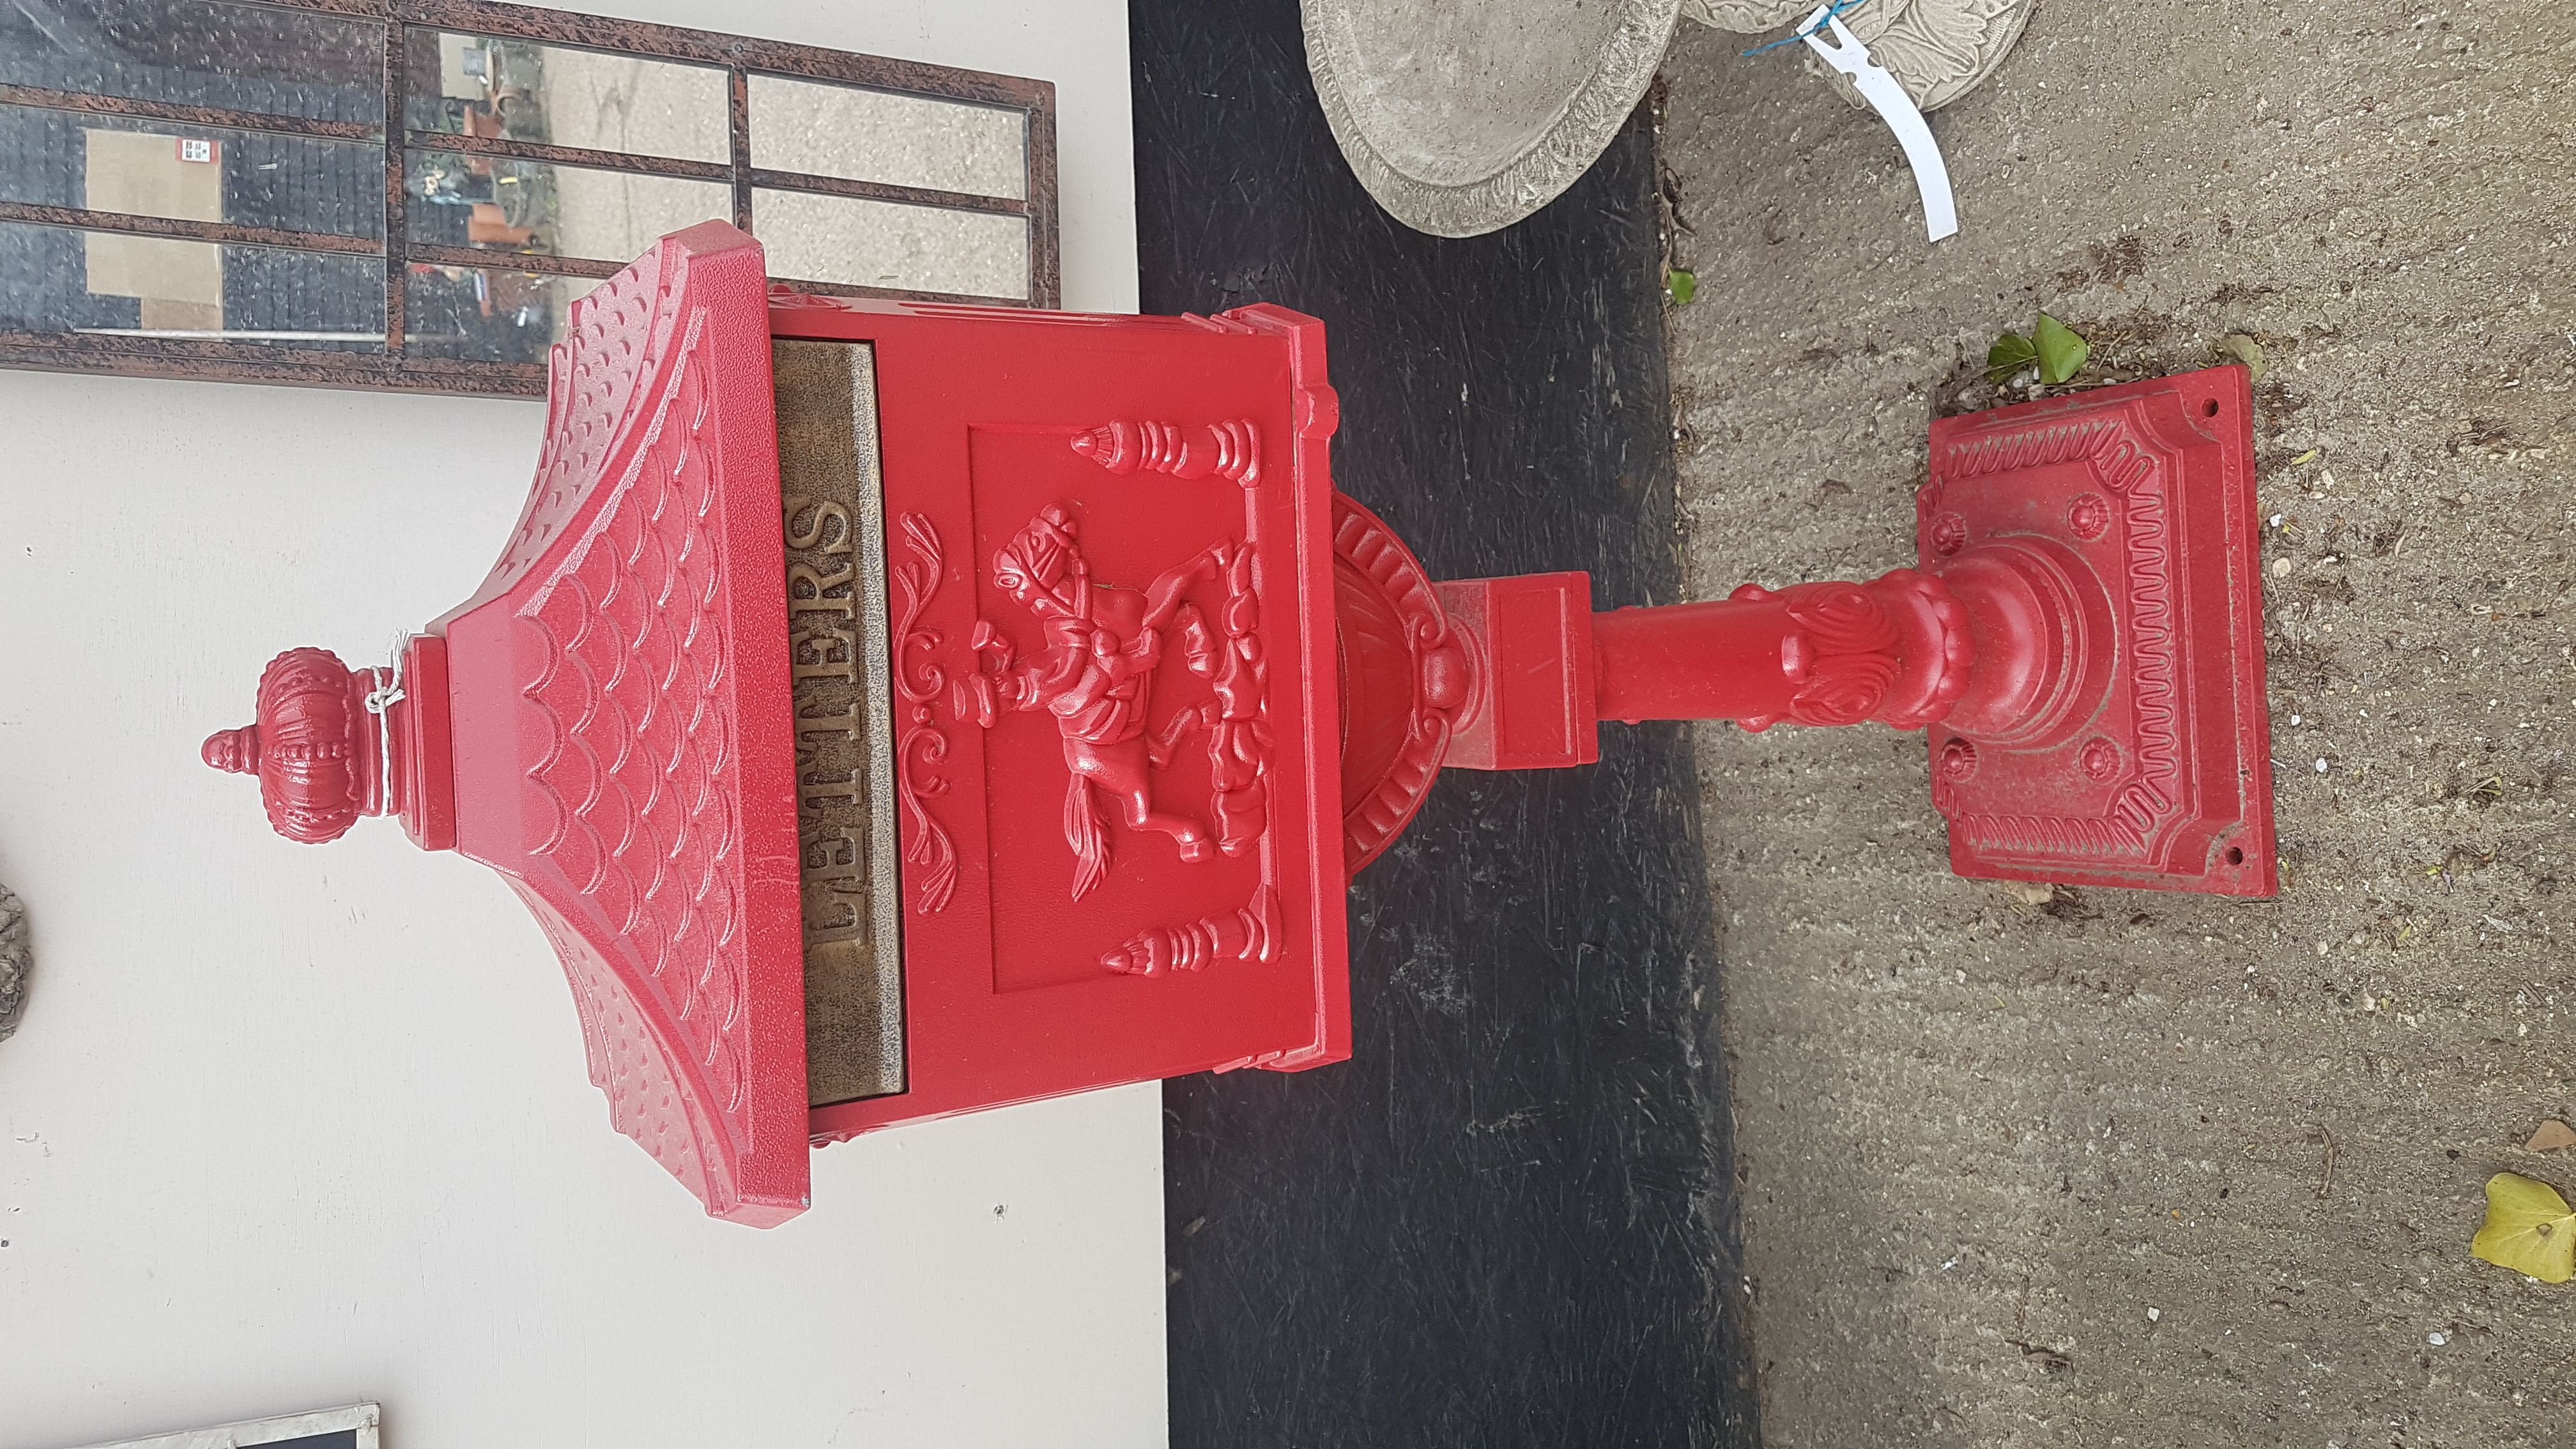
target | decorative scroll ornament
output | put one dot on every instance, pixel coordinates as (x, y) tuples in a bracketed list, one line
[(1237, 719), (1247, 933), (1843, 659), (919, 745), (1230, 450), (1096, 677), (1395, 641), (1895, 649)]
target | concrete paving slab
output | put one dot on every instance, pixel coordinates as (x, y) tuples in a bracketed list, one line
[(2117, 1167)]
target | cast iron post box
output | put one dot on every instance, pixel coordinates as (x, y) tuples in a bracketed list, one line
[(891, 710)]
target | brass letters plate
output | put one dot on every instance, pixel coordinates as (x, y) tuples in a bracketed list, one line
[(834, 528)]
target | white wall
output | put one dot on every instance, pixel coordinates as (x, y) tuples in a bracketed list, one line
[(288, 1127)]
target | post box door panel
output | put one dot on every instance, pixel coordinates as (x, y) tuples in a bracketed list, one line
[(1114, 722)]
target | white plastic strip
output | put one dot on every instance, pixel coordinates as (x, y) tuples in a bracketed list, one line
[(1896, 108)]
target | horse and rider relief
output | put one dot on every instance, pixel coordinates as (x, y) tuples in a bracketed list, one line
[(1107, 673)]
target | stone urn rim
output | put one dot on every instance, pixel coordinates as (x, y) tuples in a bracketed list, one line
[(1499, 168)]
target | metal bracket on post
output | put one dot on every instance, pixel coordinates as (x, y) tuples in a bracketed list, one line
[(1532, 704)]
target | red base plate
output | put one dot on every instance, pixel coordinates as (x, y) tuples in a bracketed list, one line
[(2167, 784)]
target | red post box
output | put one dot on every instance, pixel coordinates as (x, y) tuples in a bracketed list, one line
[(891, 710)]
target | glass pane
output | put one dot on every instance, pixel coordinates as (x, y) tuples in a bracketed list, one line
[(475, 85), (200, 53), (556, 211), (816, 238), (191, 173), (829, 130), (478, 315), (53, 279)]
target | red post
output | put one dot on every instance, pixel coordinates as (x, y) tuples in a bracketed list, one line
[(1894, 649), (2083, 642)]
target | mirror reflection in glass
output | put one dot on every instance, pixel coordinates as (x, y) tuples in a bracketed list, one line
[(518, 90), (191, 173), (113, 284), (476, 314), (858, 242), (317, 67), (863, 135), (562, 211)]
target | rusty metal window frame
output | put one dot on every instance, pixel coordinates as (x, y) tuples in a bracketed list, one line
[(739, 56)]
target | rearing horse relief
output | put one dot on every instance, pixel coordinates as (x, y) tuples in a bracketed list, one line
[(1096, 677)]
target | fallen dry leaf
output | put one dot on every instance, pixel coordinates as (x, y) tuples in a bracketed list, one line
[(2030, 892), (2246, 350), (2529, 1229), (2553, 1134)]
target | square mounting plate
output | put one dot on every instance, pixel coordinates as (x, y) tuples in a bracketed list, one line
[(2168, 785)]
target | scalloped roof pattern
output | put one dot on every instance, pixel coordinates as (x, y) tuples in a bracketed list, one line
[(648, 1094), (632, 699), (636, 621), (595, 381)]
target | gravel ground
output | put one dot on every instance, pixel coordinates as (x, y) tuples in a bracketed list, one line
[(2122, 1167)]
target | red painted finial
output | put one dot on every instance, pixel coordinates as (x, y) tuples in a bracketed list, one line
[(235, 752), (315, 748)]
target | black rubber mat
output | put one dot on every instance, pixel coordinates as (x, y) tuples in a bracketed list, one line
[(1509, 1219)]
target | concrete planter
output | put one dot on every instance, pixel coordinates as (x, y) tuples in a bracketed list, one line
[(1462, 119)]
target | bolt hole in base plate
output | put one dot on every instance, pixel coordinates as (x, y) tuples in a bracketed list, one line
[(2168, 784)]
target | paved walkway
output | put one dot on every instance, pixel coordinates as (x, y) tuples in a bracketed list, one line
[(2128, 1168)]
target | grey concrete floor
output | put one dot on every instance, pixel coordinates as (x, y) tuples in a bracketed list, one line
[(2124, 1167)]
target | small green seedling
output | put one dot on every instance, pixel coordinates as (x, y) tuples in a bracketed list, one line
[(2056, 349), (2011, 353), (1681, 285)]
